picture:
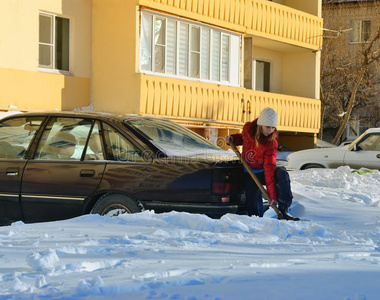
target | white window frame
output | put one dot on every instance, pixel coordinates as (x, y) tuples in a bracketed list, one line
[(193, 52), (53, 68), (233, 57)]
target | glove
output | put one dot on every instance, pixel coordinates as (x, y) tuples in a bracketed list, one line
[(273, 202), (228, 139)]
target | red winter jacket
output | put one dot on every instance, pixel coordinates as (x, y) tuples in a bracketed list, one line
[(261, 157)]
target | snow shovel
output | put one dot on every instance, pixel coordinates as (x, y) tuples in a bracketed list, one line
[(280, 216)]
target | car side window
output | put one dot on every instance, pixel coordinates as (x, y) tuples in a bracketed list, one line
[(95, 148), (64, 139), (120, 148), (16, 135), (371, 143)]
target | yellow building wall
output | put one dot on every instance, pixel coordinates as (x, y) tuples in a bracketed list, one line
[(115, 83), (300, 75), (115, 72), (275, 58), (311, 7), (42, 91), (21, 83)]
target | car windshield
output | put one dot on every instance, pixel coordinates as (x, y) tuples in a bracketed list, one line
[(174, 139)]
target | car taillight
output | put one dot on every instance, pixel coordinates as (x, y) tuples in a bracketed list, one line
[(222, 187), (223, 181)]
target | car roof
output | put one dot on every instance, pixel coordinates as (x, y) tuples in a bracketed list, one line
[(83, 114), (372, 130)]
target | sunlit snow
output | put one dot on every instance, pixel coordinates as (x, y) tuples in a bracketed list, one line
[(332, 254)]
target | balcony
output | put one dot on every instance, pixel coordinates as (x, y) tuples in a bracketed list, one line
[(200, 103), (252, 17), (209, 104)]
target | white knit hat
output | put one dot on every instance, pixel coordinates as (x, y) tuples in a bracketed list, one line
[(268, 117)]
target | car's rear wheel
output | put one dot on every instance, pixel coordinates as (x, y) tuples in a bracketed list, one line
[(312, 166), (112, 205)]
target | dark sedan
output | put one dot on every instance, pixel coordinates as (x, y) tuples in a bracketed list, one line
[(61, 165)]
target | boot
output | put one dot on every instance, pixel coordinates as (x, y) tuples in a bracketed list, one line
[(287, 215)]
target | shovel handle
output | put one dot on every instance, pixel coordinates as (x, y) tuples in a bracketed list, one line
[(256, 180)]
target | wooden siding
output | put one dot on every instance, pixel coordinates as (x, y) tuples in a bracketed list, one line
[(254, 17), (210, 104)]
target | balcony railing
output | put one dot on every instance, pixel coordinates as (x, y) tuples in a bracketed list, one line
[(203, 103), (255, 17)]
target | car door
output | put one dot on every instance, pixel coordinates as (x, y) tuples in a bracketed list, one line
[(16, 136), (366, 153), (61, 176)]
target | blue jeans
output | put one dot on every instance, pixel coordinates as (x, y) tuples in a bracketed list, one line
[(254, 196)]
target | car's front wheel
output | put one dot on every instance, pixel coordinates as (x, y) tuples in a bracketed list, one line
[(112, 205), (312, 166)]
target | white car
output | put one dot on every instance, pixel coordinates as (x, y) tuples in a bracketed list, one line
[(363, 152)]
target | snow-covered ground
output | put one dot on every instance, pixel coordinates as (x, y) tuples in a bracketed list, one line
[(332, 254)]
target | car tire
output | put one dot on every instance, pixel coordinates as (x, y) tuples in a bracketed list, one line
[(312, 166), (113, 205)]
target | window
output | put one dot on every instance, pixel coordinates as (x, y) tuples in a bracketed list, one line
[(173, 139), (54, 42), (371, 143), (361, 31), (261, 73), (120, 149), (180, 48), (63, 139), (95, 146), (16, 135)]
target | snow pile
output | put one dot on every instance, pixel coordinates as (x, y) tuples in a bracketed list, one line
[(332, 254), (342, 183)]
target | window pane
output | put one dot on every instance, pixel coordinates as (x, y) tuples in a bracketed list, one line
[(63, 139), (194, 68), (159, 31), (171, 47), (371, 143), (159, 59), (225, 57), (46, 32), (234, 62), (355, 32), (205, 54), (195, 39), (46, 41), (366, 30), (173, 139), (159, 48), (146, 42), (183, 49), (62, 43), (15, 136), (46, 56), (195, 52), (121, 149), (215, 56), (94, 149)]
